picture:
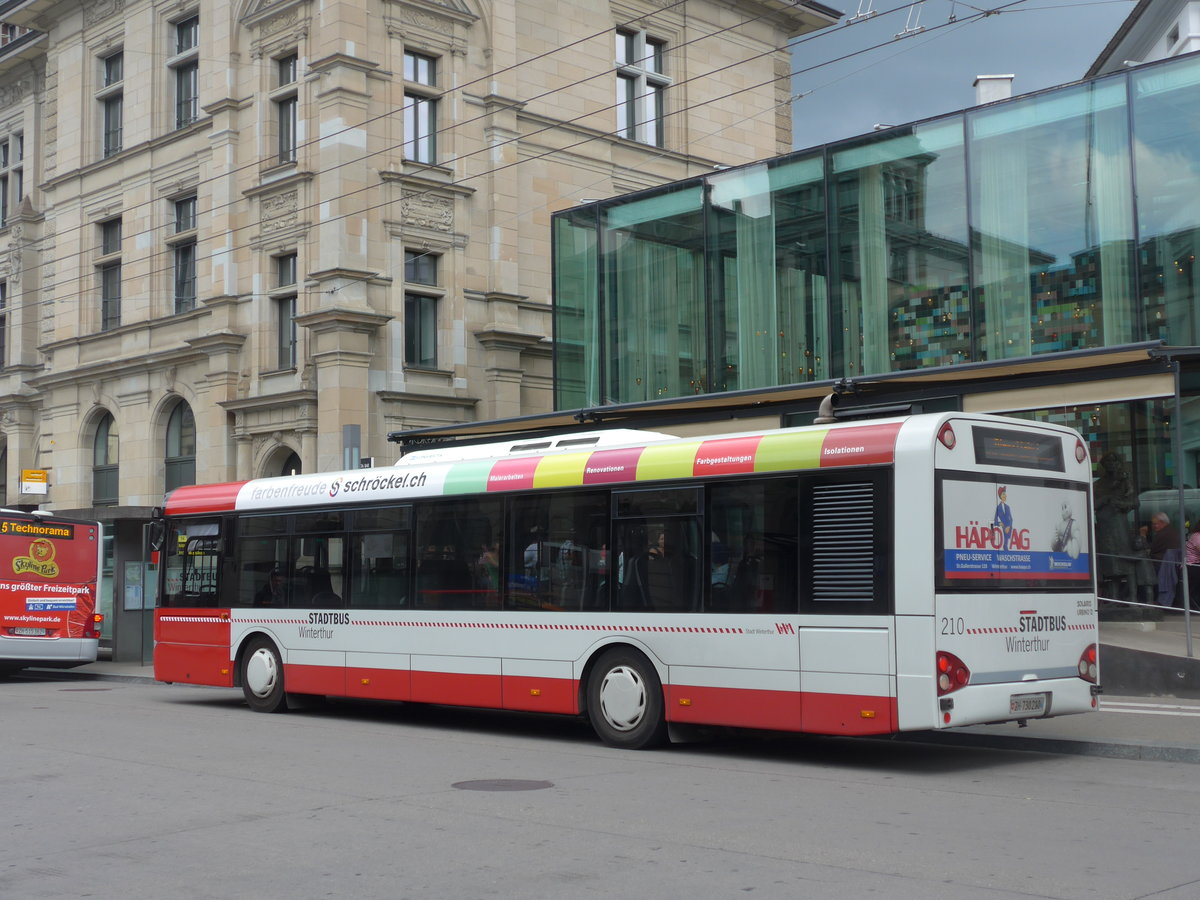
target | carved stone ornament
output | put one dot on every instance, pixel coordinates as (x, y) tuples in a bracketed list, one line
[(416, 18), (12, 93), (100, 10), (424, 211), (280, 211)]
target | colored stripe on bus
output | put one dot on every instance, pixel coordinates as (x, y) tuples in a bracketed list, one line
[(867, 445), (609, 466), (726, 456), (203, 498), (562, 470), (666, 461)]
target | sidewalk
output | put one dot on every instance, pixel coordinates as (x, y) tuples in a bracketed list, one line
[(1150, 709)]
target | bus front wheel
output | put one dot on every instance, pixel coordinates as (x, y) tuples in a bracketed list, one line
[(262, 677), (625, 701)]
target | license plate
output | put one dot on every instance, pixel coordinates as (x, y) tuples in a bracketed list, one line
[(29, 632), (1027, 704)]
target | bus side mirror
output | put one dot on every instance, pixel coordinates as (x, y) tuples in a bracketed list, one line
[(155, 533)]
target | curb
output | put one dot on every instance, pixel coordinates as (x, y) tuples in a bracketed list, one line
[(1183, 753)]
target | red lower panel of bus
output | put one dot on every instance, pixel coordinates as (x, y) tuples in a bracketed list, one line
[(193, 664), (689, 704), (780, 710)]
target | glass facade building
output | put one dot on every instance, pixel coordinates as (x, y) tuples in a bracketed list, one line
[(1066, 220), (1056, 221)]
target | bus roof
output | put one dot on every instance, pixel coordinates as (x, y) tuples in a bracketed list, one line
[(648, 458)]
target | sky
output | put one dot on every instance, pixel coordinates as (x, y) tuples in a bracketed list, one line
[(1042, 43)]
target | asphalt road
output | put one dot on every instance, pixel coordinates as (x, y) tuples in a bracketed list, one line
[(121, 788)]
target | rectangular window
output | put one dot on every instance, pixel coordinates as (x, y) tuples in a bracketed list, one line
[(287, 69), (110, 237), (185, 64), (3, 200), (285, 270), (453, 539), (187, 94), (420, 267), (420, 129), (185, 276), (113, 122), (185, 214), (183, 251), (187, 34), (112, 103), (641, 87), (420, 331), (285, 323), (108, 270), (286, 103), (110, 296), (285, 113), (284, 304), (3, 324), (420, 69), (420, 109)]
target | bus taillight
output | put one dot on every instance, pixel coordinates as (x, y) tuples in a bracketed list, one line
[(93, 631), (946, 436), (1089, 664), (1080, 451), (952, 673)]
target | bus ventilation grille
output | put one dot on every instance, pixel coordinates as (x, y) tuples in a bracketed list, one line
[(843, 537)]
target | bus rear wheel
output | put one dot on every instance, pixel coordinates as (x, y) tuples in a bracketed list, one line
[(625, 701), (262, 677)]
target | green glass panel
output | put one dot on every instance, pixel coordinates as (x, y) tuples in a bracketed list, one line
[(902, 260), (1052, 222), (1166, 110)]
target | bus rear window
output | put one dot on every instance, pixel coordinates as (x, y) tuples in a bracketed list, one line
[(1002, 447)]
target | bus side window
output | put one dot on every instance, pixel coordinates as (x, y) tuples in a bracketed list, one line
[(752, 546)]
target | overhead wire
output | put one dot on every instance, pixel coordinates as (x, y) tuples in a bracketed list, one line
[(598, 136)]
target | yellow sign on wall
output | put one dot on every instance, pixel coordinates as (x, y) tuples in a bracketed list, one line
[(35, 481)]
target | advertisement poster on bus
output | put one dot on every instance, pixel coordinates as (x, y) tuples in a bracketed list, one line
[(48, 571), (1013, 531)]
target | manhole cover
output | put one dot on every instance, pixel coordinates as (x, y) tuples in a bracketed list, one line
[(502, 784)]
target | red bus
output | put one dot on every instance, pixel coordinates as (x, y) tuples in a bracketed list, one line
[(49, 570), (861, 578)]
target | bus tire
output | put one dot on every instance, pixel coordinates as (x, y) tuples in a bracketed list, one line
[(625, 701), (262, 677)]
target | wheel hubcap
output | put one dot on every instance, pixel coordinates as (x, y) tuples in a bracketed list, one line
[(261, 672), (623, 698)]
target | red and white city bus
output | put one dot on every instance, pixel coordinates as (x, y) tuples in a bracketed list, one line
[(49, 569), (857, 578)]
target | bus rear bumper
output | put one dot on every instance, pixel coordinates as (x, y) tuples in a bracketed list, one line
[(49, 653), (984, 704)]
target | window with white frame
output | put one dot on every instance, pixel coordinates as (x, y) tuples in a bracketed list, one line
[(184, 64), (111, 99), (183, 253), (641, 86), (420, 107), (108, 273), (12, 175), (285, 99), (283, 298), (421, 309)]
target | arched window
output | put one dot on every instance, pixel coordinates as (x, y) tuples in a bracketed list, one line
[(291, 465), (106, 489), (181, 447)]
